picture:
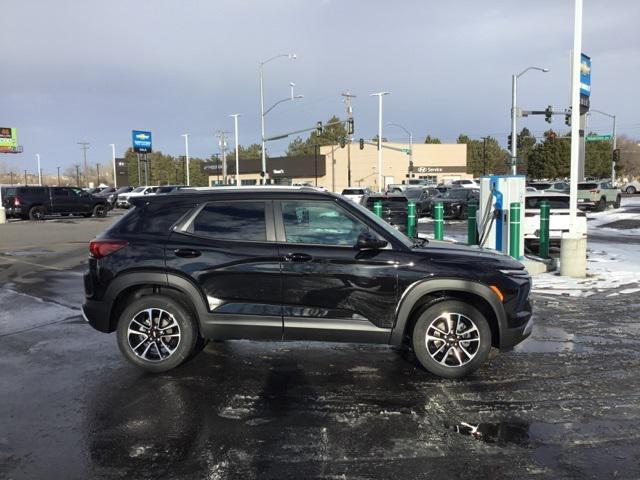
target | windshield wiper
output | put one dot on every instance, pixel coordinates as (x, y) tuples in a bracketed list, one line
[(419, 242)]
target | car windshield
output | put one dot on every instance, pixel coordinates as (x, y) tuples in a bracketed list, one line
[(138, 189), (384, 225), (413, 193), (456, 193), (540, 186), (387, 201), (587, 186), (533, 202), (352, 191)]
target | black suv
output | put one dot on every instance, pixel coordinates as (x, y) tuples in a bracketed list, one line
[(35, 203), (295, 264), (394, 208)]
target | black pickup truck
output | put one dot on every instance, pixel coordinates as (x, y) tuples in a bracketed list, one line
[(35, 203)]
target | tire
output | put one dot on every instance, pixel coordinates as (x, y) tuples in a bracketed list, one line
[(36, 212), (631, 190), (616, 204), (601, 206), (443, 361), (156, 356), (100, 211)]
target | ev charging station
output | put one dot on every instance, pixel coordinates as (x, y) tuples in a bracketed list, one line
[(497, 193)]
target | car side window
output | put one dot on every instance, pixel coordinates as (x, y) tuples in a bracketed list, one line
[(232, 221), (60, 192), (320, 223)]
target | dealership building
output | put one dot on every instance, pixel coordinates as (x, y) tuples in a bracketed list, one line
[(440, 163)]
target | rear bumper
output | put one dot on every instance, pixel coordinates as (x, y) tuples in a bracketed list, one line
[(96, 315)]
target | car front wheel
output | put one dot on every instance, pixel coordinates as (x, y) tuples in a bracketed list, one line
[(631, 190), (618, 201), (100, 210), (156, 333), (451, 339)]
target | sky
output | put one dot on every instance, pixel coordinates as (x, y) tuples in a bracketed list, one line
[(91, 71)]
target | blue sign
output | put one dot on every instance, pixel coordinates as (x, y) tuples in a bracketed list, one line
[(141, 141), (585, 75)]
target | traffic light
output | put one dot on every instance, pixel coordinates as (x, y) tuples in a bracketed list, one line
[(319, 128), (350, 129), (567, 117), (547, 114), (362, 144), (509, 142), (616, 155), (343, 142)]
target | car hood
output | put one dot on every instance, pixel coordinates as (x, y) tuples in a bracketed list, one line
[(450, 252)]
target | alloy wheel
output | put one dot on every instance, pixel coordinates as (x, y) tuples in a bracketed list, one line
[(153, 334), (452, 339)]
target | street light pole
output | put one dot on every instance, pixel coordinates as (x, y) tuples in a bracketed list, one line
[(514, 116), (186, 157), (58, 175), (380, 178), (235, 126), (410, 141), (39, 169), (98, 173), (614, 143), (113, 159), (291, 56)]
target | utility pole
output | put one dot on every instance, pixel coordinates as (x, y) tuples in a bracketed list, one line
[(186, 157), (113, 159), (85, 146), (380, 176), (235, 125), (98, 174), (222, 143), (78, 176), (347, 100), (58, 175), (39, 169), (484, 155)]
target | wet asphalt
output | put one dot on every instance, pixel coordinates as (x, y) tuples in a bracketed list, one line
[(564, 404)]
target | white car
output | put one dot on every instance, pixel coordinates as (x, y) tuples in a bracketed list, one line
[(356, 194), (632, 187), (465, 184), (123, 198), (558, 217)]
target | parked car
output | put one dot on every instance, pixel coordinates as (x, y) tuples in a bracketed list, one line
[(632, 187), (123, 199), (36, 203), (465, 184), (112, 197), (396, 188), (284, 264), (559, 186), (558, 218), (358, 195), (455, 202), (598, 195), (422, 198), (164, 189), (394, 208)]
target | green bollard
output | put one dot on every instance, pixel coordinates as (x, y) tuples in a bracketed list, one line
[(438, 221), (514, 230), (472, 226), (411, 220), (544, 228), (377, 208)]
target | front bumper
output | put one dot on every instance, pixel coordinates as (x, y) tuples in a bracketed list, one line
[(511, 337)]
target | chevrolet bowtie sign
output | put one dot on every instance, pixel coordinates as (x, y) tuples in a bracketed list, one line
[(141, 141)]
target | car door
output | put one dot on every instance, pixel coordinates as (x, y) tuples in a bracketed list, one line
[(330, 289), (227, 249), (61, 200), (80, 201)]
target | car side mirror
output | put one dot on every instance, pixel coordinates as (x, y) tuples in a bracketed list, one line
[(366, 241)]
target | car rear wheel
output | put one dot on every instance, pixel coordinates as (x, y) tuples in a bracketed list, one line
[(36, 213), (631, 190), (156, 333), (100, 210), (616, 204), (451, 339)]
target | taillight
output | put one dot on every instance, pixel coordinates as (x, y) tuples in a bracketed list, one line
[(529, 214), (16, 202), (102, 248)]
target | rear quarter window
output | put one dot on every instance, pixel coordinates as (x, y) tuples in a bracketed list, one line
[(150, 218)]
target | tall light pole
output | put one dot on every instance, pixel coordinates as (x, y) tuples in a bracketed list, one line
[(514, 116), (39, 169), (58, 175), (614, 143), (113, 159), (290, 56), (410, 140), (235, 127), (85, 146), (186, 157), (379, 95)]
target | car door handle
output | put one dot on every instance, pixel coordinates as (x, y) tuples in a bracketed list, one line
[(187, 253), (298, 257)]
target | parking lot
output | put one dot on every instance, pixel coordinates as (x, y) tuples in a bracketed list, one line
[(564, 404)]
